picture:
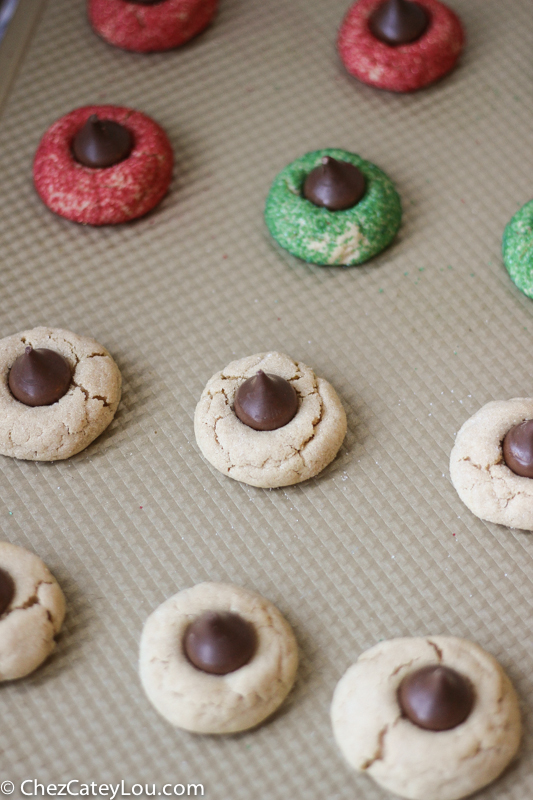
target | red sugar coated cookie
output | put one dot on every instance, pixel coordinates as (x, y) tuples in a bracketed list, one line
[(150, 28), (111, 195), (406, 67)]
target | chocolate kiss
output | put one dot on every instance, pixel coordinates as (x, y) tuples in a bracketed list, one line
[(518, 449), (219, 642), (7, 590), (266, 402), (398, 22), (335, 185), (436, 698), (101, 143), (39, 377)]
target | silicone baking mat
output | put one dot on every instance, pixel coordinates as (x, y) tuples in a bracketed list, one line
[(377, 546)]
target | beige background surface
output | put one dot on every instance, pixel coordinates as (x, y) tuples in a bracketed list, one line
[(414, 343)]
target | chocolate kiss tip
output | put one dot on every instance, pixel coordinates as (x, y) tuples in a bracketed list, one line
[(397, 22), (219, 642), (265, 402), (7, 590), (101, 143), (335, 185), (39, 377), (436, 697), (518, 449)]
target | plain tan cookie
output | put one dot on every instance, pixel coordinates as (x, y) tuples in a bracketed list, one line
[(294, 453), (51, 433), (34, 616), (412, 762), (482, 479), (204, 703)]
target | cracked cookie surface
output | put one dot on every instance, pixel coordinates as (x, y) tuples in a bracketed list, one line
[(58, 431), (268, 459), (203, 703), (34, 615), (325, 237), (479, 473), (412, 762)]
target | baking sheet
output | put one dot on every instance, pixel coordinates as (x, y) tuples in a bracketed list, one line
[(415, 342)]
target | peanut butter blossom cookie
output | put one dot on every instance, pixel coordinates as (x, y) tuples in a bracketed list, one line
[(269, 421), (217, 658), (150, 25), (400, 45), (32, 608), (518, 249), (491, 464), (431, 718), (333, 207), (103, 165), (58, 392)]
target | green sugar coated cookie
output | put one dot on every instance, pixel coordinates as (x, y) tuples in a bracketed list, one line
[(518, 249), (325, 237)]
